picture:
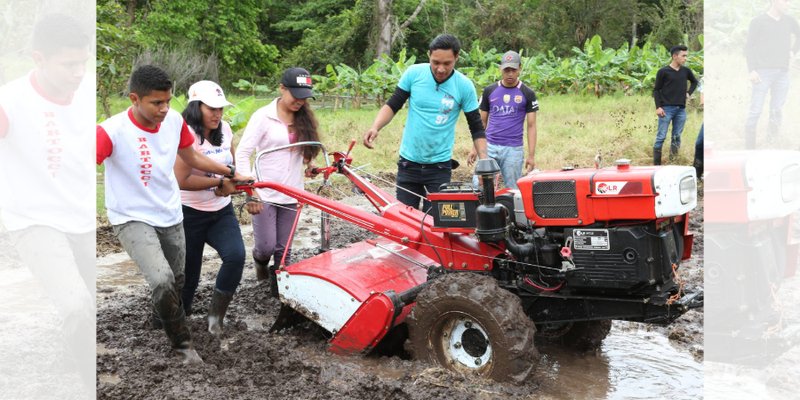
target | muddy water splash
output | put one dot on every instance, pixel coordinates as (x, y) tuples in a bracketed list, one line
[(630, 365)]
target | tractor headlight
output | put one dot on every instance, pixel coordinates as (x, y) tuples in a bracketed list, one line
[(790, 183), (688, 188)]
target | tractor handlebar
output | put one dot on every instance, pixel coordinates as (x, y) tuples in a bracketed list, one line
[(339, 160)]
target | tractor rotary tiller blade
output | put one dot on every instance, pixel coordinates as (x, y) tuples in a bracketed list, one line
[(287, 318), (353, 293)]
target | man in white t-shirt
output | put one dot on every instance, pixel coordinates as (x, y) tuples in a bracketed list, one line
[(139, 147), (47, 177)]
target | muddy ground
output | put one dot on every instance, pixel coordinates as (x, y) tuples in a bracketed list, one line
[(134, 361), (34, 363)]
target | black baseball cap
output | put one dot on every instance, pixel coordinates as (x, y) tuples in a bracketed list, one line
[(298, 81)]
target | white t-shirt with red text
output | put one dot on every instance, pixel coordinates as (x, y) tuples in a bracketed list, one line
[(46, 173), (205, 199), (139, 178)]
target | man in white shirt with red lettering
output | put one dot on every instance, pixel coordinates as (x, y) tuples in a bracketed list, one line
[(139, 148), (47, 195)]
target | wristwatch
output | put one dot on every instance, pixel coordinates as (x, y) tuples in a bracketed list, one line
[(233, 171)]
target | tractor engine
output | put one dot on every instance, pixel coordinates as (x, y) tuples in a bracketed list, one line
[(615, 231)]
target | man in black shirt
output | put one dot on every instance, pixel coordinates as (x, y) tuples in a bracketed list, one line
[(769, 50), (670, 96)]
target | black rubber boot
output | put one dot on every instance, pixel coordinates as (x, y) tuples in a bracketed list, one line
[(261, 269), (79, 341), (181, 340), (698, 168), (187, 308), (155, 321), (656, 156), (773, 133), (673, 152), (217, 310)]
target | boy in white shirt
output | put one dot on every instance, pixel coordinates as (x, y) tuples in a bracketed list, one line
[(139, 147)]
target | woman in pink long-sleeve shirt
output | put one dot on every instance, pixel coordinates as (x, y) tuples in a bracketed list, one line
[(287, 119)]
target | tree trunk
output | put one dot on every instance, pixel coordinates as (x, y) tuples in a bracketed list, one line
[(106, 103), (131, 12), (408, 21), (388, 30), (444, 17), (384, 17)]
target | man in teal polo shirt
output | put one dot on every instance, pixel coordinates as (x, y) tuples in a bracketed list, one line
[(437, 94)]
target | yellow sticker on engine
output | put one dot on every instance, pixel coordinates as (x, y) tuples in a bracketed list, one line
[(454, 211)]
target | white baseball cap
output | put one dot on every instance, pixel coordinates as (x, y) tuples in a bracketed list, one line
[(209, 93)]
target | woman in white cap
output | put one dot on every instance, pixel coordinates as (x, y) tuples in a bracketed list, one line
[(208, 215), (287, 119)]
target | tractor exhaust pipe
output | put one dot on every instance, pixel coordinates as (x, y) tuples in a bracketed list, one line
[(491, 217)]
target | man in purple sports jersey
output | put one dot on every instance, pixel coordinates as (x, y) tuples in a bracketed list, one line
[(504, 107)]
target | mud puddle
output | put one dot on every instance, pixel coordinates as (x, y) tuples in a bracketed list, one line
[(635, 362)]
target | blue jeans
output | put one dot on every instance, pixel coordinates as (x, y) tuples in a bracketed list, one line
[(220, 229), (420, 179), (776, 82), (510, 160), (676, 115)]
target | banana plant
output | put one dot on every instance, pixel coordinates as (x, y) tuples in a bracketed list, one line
[(238, 114), (592, 69)]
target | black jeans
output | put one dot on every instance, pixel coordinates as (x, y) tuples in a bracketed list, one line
[(220, 229), (420, 179)]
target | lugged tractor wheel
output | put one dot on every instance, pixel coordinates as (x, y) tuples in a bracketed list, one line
[(466, 322), (581, 336)]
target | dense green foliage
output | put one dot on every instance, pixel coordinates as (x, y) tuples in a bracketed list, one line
[(227, 29), (591, 70), (116, 49), (246, 43)]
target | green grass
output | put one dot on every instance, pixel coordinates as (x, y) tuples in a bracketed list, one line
[(117, 105), (571, 130), (100, 197)]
